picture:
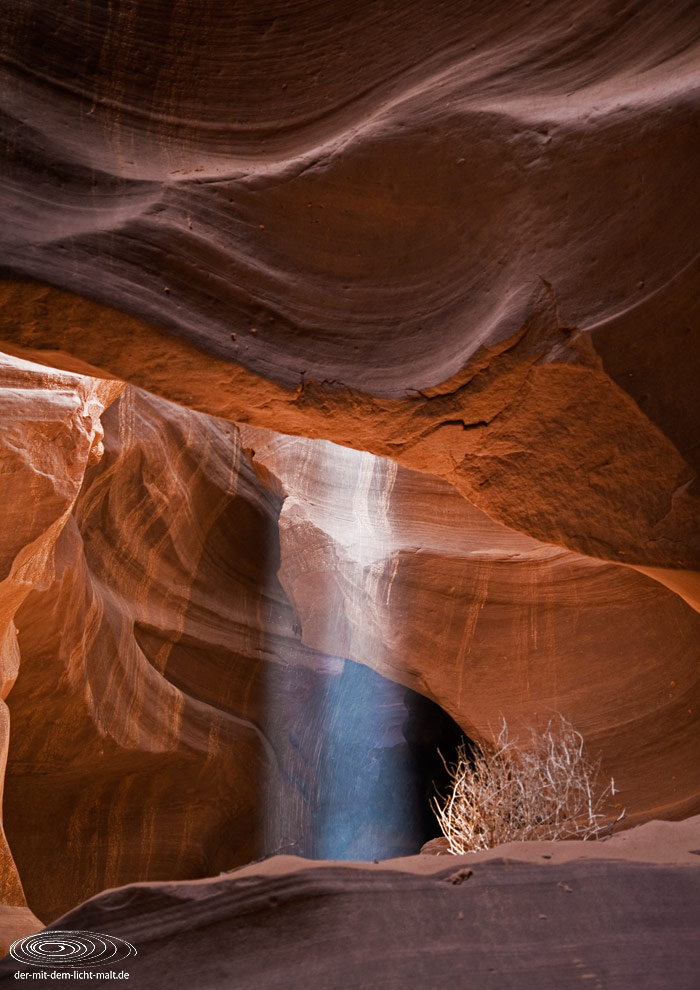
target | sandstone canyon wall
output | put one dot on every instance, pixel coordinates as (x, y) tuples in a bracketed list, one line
[(335, 336)]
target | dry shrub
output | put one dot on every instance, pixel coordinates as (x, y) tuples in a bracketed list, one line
[(545, 788)]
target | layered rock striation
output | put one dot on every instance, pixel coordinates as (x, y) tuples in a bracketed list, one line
[(412, 289), (398, 176), (357, 254), (141, 610), (546, 914), (189, 598)]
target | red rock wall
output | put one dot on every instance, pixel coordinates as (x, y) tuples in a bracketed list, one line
[(458, 237)]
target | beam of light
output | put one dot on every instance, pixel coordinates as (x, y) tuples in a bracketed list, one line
[(345, 758), (355, 749), (363, 758)]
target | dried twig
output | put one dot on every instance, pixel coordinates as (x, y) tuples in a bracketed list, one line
[(545, 789)]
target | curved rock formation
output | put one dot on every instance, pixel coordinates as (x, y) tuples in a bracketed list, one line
[(457, 239), (397, 175), (51, 431), (534, 432), (166, 716), (397, 571), (176, 707), (535, 914), (143, 626), (299, 220)]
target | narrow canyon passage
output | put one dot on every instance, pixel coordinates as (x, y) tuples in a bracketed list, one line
[(238, 643), (349, 406)]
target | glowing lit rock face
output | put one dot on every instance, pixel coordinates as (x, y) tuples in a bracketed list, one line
[(180, 708), (51, 431), (397, 571), (339, 235), (138, 773), (167, 719)]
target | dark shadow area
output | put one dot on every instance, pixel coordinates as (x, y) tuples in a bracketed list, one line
[(379, 766)]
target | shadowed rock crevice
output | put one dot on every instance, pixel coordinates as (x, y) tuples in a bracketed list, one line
[(378, 767)]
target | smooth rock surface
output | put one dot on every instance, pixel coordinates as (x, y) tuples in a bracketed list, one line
[(339, 221), (141, 741), (397, 571), (551, 915), (51, 432), (166, 718), (182, 703), (534, 433), (459, 240), (306, 175)]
